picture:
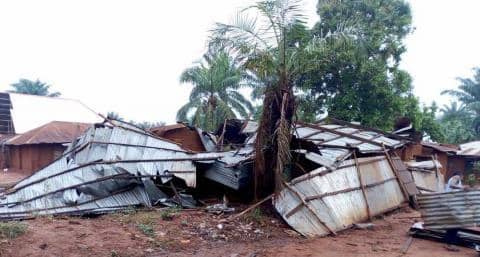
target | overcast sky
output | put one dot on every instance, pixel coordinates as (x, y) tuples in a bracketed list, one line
[(126, 56)]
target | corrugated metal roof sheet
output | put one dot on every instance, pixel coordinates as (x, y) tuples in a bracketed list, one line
[(450, 210), (336, 141), (470, 149), (55, 132), (428, 181), (446, 148), (324, 202), (331, 135), (30, 111), (99, 171)]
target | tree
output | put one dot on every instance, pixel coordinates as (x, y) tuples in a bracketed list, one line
[(25, 86), (457, 123), (114, 116), (146, 125), (468, 93), (268, 50), (427, 123), (214, 97), (454, 111), (361, 82)]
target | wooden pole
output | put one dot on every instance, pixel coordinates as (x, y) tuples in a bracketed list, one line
[(251, 208)]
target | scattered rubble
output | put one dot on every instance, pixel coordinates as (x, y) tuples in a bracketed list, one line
[(341, 176)]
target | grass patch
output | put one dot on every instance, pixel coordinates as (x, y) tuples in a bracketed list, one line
[(146, 229), (169, 213), (11, 230), (256, 215)]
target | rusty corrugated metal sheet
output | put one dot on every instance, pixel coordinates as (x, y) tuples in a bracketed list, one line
[(450, 210), (190, 138), (446, 148), (324, 202), (405, 176), (55, 132)]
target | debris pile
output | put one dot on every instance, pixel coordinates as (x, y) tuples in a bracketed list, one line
[(341, 173), (111, 167)]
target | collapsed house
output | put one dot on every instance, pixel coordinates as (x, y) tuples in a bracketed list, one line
[(341, 173), (111, 167)]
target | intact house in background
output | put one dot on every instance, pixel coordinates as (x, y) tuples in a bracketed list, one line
[(35, 129), (39, 147)]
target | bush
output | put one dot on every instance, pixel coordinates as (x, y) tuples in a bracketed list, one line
[(11, 230)]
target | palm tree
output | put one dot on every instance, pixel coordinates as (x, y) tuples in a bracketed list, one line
[(25, 86), (214, 97), (468, 93), (454, 111), (265, 46)]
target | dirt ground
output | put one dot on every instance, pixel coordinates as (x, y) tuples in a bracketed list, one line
[(10, 178), (174, 233)]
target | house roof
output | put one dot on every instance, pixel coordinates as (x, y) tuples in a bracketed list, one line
[(55, 132), (446, 148), (470, 149), (30, 111), (161, 130)]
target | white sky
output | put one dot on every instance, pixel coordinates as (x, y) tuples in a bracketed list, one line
[(126, 56)]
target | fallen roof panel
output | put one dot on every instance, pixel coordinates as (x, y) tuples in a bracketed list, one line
[(450, 209), (324, 202), (102, 169)]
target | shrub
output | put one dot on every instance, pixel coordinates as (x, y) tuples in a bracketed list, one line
[(11, 230)]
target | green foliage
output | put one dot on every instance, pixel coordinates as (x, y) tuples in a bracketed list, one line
[(360, 81), (214, 96), (428, 123), (146, 125), (114, 116), (25, 86), (457, 124), (468, 93), (12, 230), (276, 48)]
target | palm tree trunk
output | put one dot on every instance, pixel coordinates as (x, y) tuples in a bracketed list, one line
[(273, 139)]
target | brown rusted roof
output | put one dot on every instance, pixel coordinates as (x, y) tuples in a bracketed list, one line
[(446, 148), (160, 131), (187, 137), (55, 132)]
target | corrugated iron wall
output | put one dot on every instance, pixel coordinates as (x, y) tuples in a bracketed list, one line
[(323, 201)]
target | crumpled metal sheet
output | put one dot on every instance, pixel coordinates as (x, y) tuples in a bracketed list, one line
[(447, 210), (323, 201), (102, 170), (336, 141)]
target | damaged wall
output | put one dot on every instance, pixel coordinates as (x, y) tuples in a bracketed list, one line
[(323, 202)]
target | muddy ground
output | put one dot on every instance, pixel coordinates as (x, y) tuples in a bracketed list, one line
[(196, 233)]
